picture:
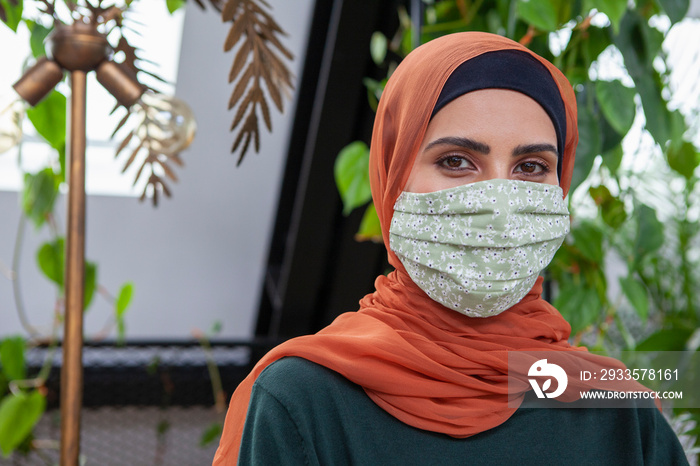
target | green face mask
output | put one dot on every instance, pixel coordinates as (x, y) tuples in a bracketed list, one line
[(478, 248)]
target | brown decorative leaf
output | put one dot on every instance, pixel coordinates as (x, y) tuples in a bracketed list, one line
[(239, 61), (124, 143), (131, 57), (236, 31), (241, 86), (168, 171), (272, 89), (154, 160), (148, 161), (132, 157), (256, 134), (129, 53), (155, 185), (215, 3), (238, 140), (121, 124), (259, 59), (137, 143), (165, 189), (265, 110), (175, 158), (243, 107), (229, 11)]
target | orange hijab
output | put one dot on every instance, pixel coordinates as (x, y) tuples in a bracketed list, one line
[(426, 365)]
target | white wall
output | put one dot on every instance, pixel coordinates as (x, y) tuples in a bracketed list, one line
[(199, 257)]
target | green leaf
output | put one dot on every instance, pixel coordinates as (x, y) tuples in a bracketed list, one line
[(683, 158), (212, 433), (37, 38), (639, 44), (656, 113), (595, 40), (49, 119), (613, 9), (174, 5), (121, 331), (90, 281), (613, 158), (612, 209), (216, 328), (124, 298), (406, 45), (18, 416), (588, 146), (650, 233), (675, 9), (617, 103), (50, 259), (610, 137), (370, 229), (39, 195), (540, 13), (153, 365), (12, 358), (12, 10), (637, 295), (671, 339), (377, 47), (588, 239), (163, 427), (352, 175), (62, 164), (579, 305), (374, 91)]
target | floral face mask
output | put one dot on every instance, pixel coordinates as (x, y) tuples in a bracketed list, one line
[(478, 248)]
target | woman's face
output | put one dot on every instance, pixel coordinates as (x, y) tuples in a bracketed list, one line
[(483, 135)]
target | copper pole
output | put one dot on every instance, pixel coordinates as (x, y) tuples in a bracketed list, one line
[(72, 369)]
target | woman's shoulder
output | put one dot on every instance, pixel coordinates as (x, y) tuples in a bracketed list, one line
[(305, 384), (296, 372), (291, 366)]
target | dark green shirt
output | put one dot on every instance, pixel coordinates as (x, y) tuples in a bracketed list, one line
[(303, 413)]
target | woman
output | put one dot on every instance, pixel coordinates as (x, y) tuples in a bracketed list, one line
[(472, 154)]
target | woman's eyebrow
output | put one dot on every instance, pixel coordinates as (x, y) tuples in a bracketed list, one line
[(461, 142), (534, 148)]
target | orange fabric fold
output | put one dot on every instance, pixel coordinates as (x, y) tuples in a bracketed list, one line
[(426, 365)]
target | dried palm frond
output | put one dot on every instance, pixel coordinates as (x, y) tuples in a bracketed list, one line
[(259, 59), (155, 186), (133, 61), (131, 58), (156, 163)]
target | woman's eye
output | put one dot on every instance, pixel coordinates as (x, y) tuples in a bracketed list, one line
[(454, 162), (531, 168)]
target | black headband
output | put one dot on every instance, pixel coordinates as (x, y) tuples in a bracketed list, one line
[(509, 69)]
